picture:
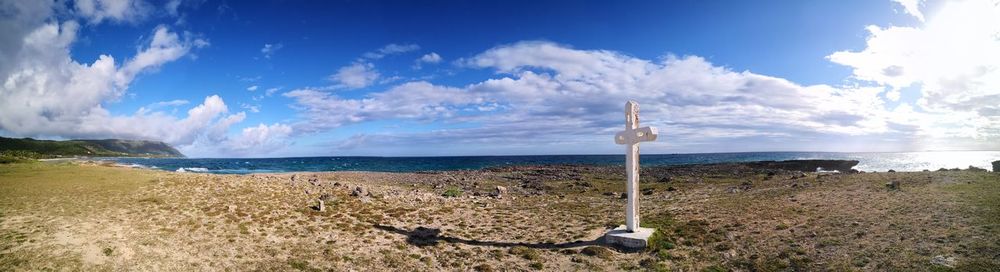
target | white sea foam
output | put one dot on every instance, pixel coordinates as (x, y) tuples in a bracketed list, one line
[(192, 169)]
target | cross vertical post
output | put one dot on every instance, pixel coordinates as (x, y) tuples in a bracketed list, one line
[(631, 235), (632, 169), (631, 137)]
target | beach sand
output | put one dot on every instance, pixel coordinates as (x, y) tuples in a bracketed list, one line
[(92, 217)]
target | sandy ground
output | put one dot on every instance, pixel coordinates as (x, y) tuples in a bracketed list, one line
[(90, 217)]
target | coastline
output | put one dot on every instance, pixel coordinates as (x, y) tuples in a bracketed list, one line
[(90, 216)]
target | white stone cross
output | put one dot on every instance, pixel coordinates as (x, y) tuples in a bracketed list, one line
[(631, 137)]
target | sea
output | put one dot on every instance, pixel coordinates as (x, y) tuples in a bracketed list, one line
[(898, 161)]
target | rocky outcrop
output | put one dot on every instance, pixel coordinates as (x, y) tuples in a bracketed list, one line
[(996, 166), (843, 166)]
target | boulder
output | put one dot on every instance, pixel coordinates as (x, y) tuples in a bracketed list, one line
[(996, 166)]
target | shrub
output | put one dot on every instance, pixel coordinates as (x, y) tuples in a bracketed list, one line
[(525, 252), (597, 251), (452, 192), (18, 156)]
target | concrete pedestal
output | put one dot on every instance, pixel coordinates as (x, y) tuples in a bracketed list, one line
[(631, 240)]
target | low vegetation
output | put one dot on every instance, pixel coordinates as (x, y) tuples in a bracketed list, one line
[(89, 148)]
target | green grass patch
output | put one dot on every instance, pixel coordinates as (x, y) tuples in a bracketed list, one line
[(452, 192)]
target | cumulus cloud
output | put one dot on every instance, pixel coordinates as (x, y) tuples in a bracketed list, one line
[(547, 92), (953, 60), (97, 11), (431, 58), (46, 93), (259, 140), (354, 76)]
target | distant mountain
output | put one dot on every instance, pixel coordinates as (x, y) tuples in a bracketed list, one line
[(92, 148)]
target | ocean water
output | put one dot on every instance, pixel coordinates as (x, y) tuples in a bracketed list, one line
[(904, 161)]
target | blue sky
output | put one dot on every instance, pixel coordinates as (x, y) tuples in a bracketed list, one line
[(259, 78)]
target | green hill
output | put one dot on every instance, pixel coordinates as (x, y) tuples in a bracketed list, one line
[(91, 148)]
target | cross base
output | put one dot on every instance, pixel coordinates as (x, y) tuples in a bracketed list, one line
[(630, 240)]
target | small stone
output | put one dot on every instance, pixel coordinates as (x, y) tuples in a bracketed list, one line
[(500, 191), (671, 189), (322, 206), (359, 192), (647, 191), (946, 261), (232, 208)]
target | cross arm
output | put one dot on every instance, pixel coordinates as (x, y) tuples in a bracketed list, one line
[(634, 136)]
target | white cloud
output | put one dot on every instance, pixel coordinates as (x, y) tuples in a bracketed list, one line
[(430, 58), (269, 49), (251, 108), (413, 100), (252, 88), (391, 49), (547, 93), (427, 58), (97, 11), (356, 75), (912, 7), (953, 59), (259, 140), (46, 93), (172, 6), (271, 91), (163, 104)]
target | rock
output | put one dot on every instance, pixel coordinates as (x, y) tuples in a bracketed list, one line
[(232, 208), (891, 171), (359, 192), (611, 194), (500, 191), (623, 196), (671, 189), (943, 261), (327, 198), (892, 185), (976, 169), (293, 177), (321, 206), (665, 179), (996, 166), (647, 191)]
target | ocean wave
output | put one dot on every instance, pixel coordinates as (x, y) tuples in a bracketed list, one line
[(132, 165), (191, 169)]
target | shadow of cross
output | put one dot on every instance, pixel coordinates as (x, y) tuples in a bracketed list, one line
[(422, 236), (631, 137)]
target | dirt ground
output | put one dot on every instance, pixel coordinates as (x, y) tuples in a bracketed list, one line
[(92, 217)]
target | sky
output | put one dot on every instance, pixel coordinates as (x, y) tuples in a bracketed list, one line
[(441, 78)]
